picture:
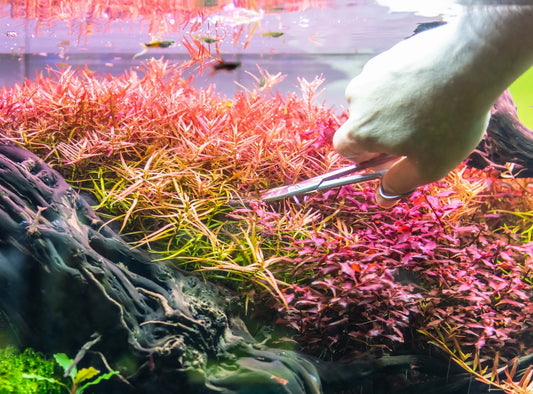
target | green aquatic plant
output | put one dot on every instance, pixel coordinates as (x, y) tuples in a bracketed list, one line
[(80, 379), (14, 366)]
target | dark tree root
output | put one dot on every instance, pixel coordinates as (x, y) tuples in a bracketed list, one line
[(507, 140), (65, 279)]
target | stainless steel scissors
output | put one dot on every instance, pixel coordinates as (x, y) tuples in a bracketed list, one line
[(329, 180)]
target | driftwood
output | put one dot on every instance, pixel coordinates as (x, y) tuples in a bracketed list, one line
[(68, 283), (63, 278), (507, 140)]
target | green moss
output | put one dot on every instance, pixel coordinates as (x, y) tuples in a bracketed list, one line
[(14, 364)]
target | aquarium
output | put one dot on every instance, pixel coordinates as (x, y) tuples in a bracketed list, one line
[(154, 236)]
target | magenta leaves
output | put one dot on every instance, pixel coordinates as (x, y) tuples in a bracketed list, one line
[(368, 277)]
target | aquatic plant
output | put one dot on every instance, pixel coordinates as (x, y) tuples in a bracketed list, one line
[(169, 163), (376, 275), (168, 158), (14, 365), (80, 379), (487, 371)]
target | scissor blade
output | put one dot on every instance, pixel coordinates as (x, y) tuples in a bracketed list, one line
[(349, 180), (329, 180), (301, 188), (281, 192)]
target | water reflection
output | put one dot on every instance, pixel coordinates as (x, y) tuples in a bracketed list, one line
[(333, 38)]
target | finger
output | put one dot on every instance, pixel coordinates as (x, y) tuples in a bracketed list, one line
[(348, 147), (399, 181)]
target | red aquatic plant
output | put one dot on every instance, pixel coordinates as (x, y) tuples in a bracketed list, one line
[(372, 277), (165, 159)]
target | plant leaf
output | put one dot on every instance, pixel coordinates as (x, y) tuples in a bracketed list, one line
[(39, 377), (44, 378), (85, 374), (64, 361), (105, 376)]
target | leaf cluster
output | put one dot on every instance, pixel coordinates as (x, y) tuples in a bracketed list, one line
[(166, 160), (377, 275), (14, 365), (507, 377), (80, 379)]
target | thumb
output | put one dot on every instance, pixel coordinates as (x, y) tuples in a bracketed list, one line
[(399, 181)]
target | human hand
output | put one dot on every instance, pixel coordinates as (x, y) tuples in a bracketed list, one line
[(428, 98)]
